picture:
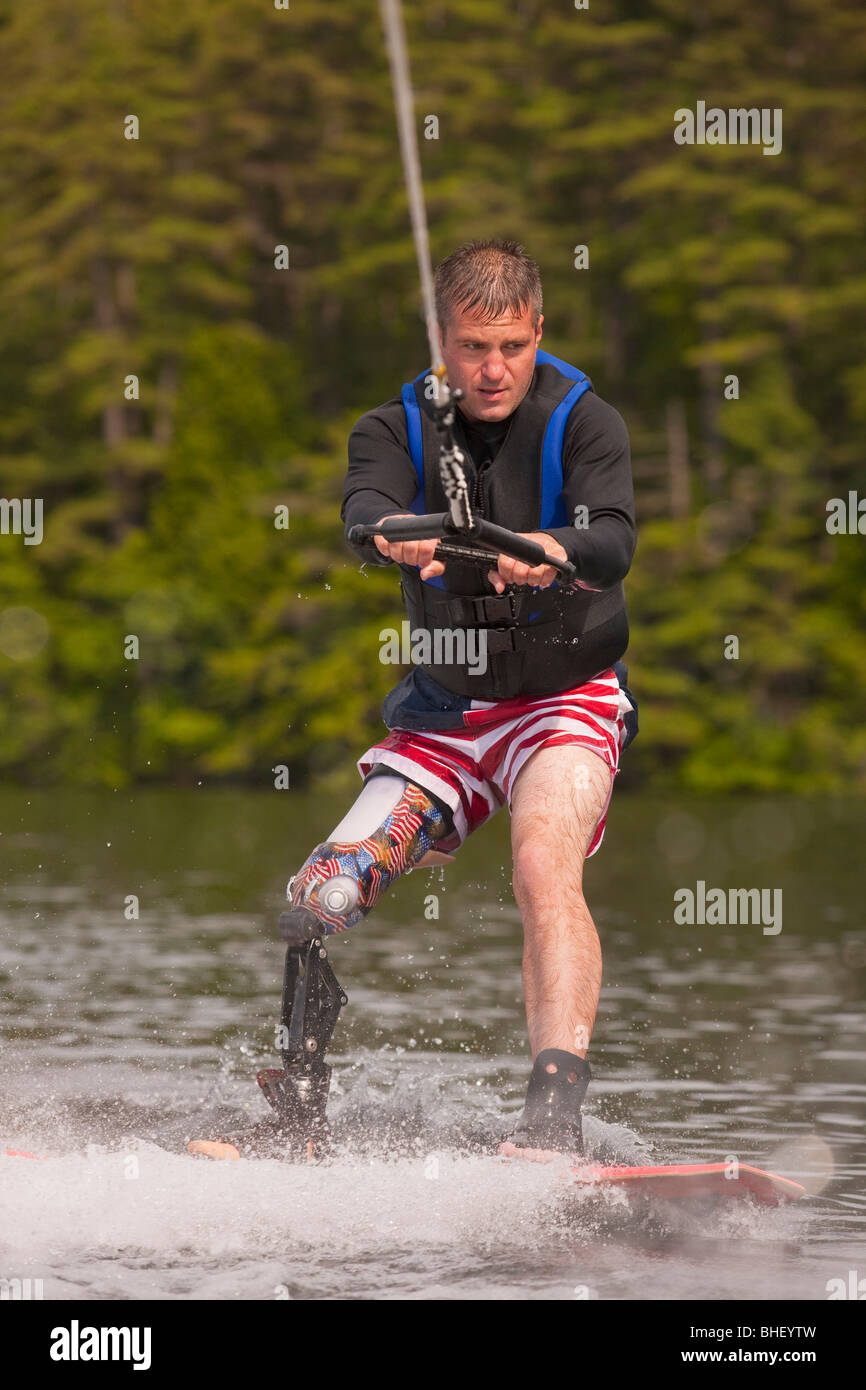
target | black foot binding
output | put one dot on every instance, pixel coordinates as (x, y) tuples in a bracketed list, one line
[(298, 1091), (551, 1119)]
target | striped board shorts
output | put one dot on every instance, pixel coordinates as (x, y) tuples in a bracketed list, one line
[(473, 769)]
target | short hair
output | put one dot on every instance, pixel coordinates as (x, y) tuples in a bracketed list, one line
[(496, 277)]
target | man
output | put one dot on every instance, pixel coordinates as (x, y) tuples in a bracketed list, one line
[(539, 722)]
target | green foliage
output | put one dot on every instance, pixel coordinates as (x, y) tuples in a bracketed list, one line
[(154, 258)]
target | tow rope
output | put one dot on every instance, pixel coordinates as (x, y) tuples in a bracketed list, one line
[(451, 459), (460, 533)]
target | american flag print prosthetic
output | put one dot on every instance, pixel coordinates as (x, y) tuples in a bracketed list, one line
[(405, 836)]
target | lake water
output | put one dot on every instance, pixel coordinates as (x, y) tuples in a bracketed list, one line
[(119, 1039)]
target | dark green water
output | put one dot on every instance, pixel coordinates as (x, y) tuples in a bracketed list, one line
[(120, 1038)]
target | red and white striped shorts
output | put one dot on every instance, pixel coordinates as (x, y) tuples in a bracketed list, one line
[(473, 769)]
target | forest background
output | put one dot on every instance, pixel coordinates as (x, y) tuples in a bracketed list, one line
[(155, 258)]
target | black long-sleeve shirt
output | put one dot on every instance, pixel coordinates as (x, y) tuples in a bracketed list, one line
[(596, 469)]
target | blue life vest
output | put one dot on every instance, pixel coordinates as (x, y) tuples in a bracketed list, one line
[(537, 640), (553, 511)]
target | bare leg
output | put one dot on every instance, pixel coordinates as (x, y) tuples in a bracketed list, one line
[(558, 798)]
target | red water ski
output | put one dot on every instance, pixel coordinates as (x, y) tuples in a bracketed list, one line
[(676, 1180), (694, 1180)]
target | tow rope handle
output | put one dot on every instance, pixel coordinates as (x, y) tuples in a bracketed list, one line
[(452, 542)]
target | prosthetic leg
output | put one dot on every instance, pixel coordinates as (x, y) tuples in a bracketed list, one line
[(390, 830)]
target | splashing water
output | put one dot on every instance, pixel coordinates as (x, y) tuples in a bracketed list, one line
[(121, 1040)]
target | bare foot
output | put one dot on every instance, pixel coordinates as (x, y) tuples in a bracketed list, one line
[(509, 1150)]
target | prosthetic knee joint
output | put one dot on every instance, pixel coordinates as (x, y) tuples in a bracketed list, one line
[(391, 828)]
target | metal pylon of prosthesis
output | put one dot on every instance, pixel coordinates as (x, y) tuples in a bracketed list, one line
[(311, 1004)]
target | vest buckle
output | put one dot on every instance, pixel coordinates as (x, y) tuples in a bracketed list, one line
[(496, 608)]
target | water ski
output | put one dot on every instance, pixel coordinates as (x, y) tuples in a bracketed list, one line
[(695, 1180), (676, 1180), (673, 1180)]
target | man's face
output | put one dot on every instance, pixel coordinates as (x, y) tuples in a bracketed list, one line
[(491, 363)]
